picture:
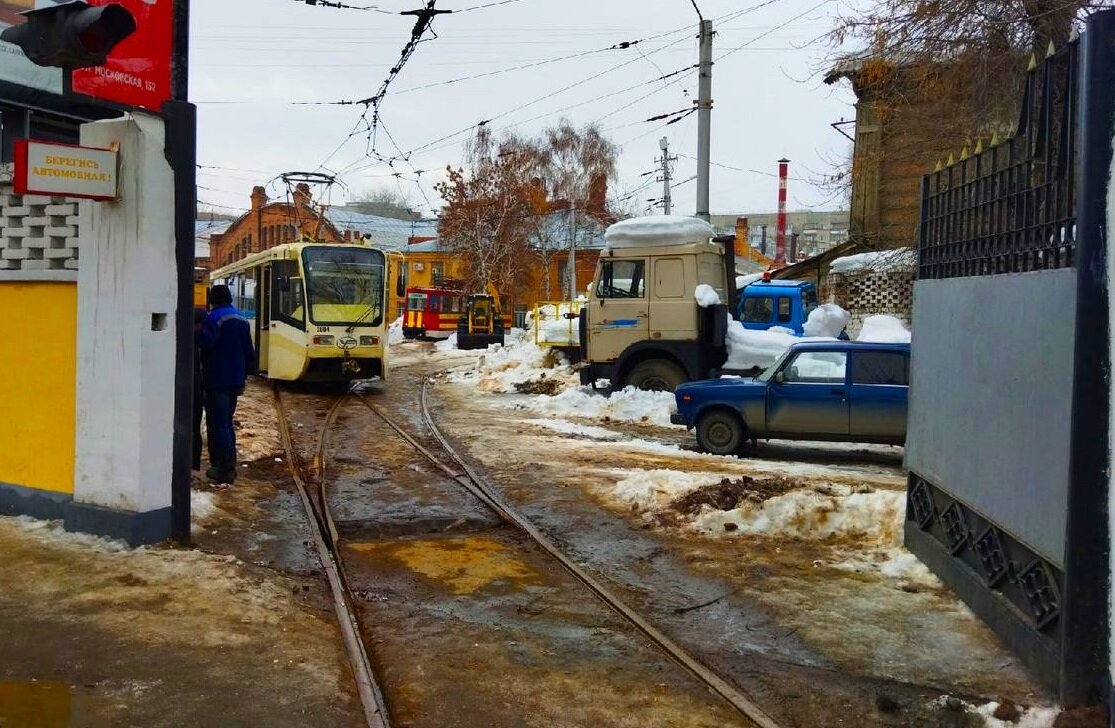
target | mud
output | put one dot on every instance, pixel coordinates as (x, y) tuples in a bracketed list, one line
[(729, 494)]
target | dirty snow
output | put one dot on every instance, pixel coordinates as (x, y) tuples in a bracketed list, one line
[(447, 344), (203, 504), (1039, 717), (884, 330), (658, 230), (652, 490), (502, 369), (53, 533), (880, 261), (565, 427), (395, 332), (827, 320), (628, 405)]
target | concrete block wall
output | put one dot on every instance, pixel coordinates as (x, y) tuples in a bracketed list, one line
[(37, 233), (872, 292)]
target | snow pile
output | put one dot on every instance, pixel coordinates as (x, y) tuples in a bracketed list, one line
[(835, 511), (1030, 718), (879, 261), (884, 330), (628, 405), (447, 344), (55, 533), (827, 320), (891, 562), (395, 332), (749, 349), (745, 281), (652, 490), (507, 369), (659, 230), (706, 296), (551, 325), (565, 427)]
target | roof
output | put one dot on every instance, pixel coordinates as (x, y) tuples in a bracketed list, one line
[(383, 232), (779, 284), (846, 248)]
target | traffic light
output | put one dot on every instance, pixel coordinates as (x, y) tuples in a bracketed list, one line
[(71, 35)]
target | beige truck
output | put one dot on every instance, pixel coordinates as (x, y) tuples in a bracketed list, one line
[(641, 325)]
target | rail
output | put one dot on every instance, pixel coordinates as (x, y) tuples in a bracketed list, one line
[(471, 480)]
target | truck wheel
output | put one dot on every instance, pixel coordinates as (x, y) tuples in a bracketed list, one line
[(720, 432), (655, 375)]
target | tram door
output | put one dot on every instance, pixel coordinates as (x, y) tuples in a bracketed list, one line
[(263, 321)]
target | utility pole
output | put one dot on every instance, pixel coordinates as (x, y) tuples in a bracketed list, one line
[(665, 179), (572, 250), (704, 121)]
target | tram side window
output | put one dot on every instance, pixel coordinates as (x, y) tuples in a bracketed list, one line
[(287, 299), (246, 295)]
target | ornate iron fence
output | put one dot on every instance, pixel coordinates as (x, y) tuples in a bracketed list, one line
[(1011, 207)]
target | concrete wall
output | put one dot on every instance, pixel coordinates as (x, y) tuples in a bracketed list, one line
[(997, 438), (871, 292)]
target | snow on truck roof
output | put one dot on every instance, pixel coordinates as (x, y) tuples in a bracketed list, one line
[(639, 232)]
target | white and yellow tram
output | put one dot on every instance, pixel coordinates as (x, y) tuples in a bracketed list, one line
[(318, 311)]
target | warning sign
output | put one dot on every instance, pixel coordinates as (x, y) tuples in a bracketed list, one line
[(46, 168)]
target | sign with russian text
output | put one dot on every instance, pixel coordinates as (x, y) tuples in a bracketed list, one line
[(138, 71), (63, 170)]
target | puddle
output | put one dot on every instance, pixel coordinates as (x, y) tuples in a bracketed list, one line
[(35, 705), (465, 565)]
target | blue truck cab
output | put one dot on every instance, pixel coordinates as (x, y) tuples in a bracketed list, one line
[(838, 391), (767, 303)]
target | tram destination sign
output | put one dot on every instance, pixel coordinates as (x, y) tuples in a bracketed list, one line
[(47, 168)]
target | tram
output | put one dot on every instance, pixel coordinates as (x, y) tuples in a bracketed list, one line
[(433, 312), (318, 311)]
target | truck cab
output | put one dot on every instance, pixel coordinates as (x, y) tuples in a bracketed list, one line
[(766, 304), (641, 325)]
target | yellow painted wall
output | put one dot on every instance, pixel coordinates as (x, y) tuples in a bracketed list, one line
[(38, 348)]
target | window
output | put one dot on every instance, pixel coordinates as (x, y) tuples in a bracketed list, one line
[(437, 272), (669, 278), (809, 300), (817, 367), (784, 306), (758, 310), (416, 302), (622, 279), (347, 285), (880, 367), (434, 304), (287, 299)]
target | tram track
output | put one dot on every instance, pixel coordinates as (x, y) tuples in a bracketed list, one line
[(312, 483), (476, 484)]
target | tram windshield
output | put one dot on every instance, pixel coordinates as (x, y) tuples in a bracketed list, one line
[(346, 285)]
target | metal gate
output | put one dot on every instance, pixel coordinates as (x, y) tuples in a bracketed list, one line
[(1008, 444)]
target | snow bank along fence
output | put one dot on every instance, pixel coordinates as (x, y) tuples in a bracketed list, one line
[(1008, 439), (38, 293), (883, 283)]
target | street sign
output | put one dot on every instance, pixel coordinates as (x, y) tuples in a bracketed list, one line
[(46, 168), (138, 72)]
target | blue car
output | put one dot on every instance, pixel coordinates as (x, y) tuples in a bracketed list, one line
[(838, 391)]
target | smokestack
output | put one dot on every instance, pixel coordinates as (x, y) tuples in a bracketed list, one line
[(783, 177)]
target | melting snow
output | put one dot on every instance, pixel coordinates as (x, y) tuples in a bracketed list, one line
[(395, 332), (881, 261), (659, 230), (884, 330), (1031, 718), (628, 405)]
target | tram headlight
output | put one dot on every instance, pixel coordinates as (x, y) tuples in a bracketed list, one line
[(369, 341), (322, 340)]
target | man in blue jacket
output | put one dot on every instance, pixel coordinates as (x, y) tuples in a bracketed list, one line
[(228, 356)]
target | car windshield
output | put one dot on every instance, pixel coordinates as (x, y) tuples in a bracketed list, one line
[(768, 373), (346, 285)]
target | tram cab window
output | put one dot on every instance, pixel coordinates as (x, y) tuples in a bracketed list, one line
[(287, 298), (416, 302)]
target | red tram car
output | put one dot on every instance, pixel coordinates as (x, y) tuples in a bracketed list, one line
[(433, 312)]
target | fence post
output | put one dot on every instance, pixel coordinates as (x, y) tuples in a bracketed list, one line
[(1084, 647)]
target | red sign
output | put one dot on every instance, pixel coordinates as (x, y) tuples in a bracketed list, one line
[(138, 70)]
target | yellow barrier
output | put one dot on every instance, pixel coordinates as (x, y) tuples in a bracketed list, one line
[(557, 323)]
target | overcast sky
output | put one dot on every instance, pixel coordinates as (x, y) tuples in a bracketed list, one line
[(251, 59)]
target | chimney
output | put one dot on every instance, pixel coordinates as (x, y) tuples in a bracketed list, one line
[(743, 239), (597, 193), (259, 198), (302, 196)]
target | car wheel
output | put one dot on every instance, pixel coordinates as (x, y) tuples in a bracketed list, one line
[(721, 433), (655, 375)]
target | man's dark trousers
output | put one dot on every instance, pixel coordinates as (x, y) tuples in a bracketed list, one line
[(220, 406)]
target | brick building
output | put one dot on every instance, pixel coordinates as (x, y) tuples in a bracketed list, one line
[(268, 224)]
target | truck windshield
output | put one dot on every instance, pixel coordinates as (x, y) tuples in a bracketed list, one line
[(809, 300), (346, 285)]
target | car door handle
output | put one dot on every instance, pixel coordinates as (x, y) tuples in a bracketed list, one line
[(840, 392)]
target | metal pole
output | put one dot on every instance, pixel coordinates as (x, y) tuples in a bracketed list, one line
[(572, 251), (780, 240), (667, 199), (1084, 615), (704, 122), (181, 153)]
